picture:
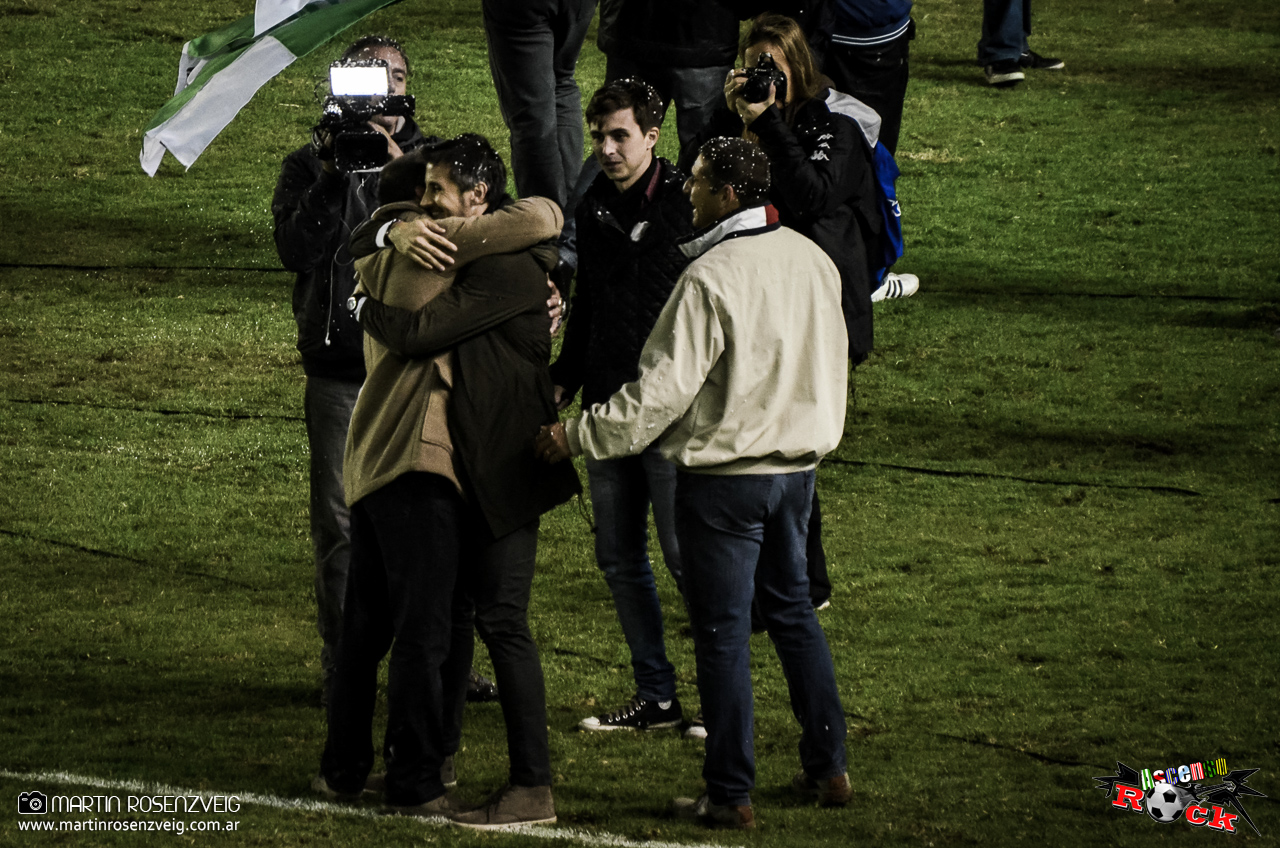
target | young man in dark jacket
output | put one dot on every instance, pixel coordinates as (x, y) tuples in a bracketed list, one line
[(315, 208), (629, 222)]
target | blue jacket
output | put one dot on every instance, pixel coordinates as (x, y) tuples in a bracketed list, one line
[(865, 23)]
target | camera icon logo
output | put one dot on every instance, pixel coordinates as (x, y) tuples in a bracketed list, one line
[(33, 803)]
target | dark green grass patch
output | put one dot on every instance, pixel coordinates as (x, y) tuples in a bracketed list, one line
[(1052, 522)]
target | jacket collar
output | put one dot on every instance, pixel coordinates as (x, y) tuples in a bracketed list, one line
[(751, 221)]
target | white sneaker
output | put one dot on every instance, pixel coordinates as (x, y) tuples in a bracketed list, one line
[(896, 285)]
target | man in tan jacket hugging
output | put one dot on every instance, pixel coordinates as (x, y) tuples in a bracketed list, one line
[(445, 492)]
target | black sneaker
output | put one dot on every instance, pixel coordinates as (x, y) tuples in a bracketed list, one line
[(480, 689), (1033, 60), (638, 715), (1004, 74)]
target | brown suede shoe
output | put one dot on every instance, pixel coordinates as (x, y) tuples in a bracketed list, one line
[(704, 812), (443, 807), (511, 807), (831, 792)]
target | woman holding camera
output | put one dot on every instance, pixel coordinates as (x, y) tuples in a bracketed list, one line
[(822, 180)]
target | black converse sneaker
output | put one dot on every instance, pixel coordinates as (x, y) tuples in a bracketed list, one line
[(638, 715), (1033, 60)]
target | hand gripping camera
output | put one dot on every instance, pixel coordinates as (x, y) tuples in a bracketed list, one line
[(756, 88), (358, 91)]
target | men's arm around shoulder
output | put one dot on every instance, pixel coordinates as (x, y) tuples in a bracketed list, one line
[(365, 238), (513, 227), (488, 292)]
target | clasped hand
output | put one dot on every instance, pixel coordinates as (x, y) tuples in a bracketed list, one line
[(552, 445)]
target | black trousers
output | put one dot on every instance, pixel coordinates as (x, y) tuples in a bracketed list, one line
[(877, 76), (400, 589), (495, 579)]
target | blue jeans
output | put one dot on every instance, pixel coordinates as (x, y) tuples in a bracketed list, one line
[(328, 404), (621, 492), (742, 535), (533, 51), (1005, 27)]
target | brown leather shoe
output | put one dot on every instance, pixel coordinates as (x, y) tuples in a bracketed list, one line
[(830, 792), (511, 807), (704, 812)]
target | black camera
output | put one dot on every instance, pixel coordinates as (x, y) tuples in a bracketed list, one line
[(358, 91), (759, 78)]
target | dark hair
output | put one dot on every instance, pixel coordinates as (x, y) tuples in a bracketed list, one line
[(471, 160), (631, 93), (739, 163), (400, 177), (372, 42), (803, 83)]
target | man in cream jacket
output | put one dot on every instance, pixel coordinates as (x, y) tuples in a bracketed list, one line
[(743, 384)]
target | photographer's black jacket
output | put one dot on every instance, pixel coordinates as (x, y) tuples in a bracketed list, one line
[(823, 184), (628, 263), (314, 213)]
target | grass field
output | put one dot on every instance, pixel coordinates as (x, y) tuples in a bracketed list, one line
[(1054, 519)]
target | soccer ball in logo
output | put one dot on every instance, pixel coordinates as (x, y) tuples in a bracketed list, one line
[(1165, 803)]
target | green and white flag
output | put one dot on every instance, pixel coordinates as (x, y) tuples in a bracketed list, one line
[(219, 72)]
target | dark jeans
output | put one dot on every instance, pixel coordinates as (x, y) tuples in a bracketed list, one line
[(740, 535), (399, 596), (876, 75), (328, 404), (621, 493), (1005, 27), (696, 92), (533, 51), (495, 579)]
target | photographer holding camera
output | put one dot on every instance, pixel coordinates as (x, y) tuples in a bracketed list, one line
[(315, 207)]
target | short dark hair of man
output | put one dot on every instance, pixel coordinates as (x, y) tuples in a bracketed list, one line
[(471, 160), (372, 42), (401, 177), (739, 163), (630, 93)]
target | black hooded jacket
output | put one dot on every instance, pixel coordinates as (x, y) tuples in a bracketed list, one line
[(314, 213)]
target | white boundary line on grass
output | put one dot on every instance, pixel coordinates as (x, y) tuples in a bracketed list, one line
[(62, 778)]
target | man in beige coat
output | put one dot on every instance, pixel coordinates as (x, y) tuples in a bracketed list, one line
[(743, 383)]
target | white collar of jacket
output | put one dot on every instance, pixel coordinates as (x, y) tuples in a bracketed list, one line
[(750, 221)]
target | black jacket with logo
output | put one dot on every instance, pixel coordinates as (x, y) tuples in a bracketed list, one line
[(628, 263)]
